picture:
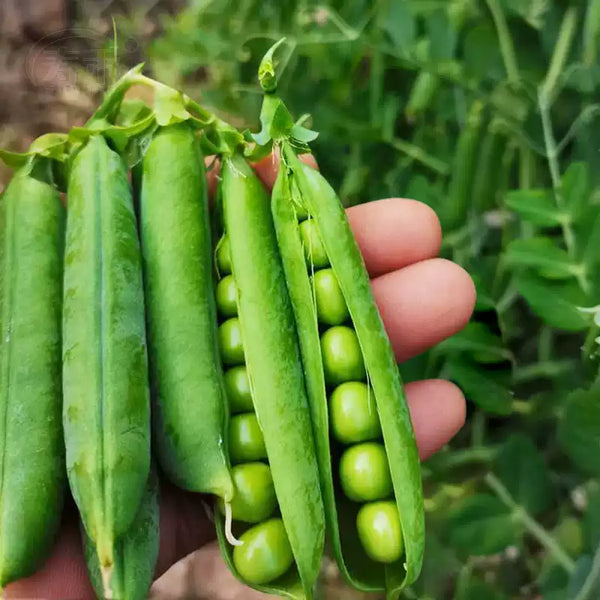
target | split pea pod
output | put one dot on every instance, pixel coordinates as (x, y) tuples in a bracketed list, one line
[(375, 510), (106, 412), (32, 469), (277, 508), (186, 377), (135, 553)]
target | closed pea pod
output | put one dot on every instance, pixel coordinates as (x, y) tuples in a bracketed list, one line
[(186, 379), (106, 402), (281, 555), (392, 465), (135, 553), (32, 468)]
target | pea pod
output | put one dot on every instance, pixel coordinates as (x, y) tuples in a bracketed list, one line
[(135, 553), (274, 368), (106, 402), (299, 189), (32, 470), (186, 378)]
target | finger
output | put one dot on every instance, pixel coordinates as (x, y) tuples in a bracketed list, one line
[(63, 576), (424, 304), (202, 574), (394, 233), (437, 410)]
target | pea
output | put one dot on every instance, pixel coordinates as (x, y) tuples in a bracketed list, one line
[(254, 499), (314, 251), (265, 553), (379, 531), (353, 413), (237, 385), (230, 342), (365, 473), (227, 296), (342, 356), (246, 442), (331, 305), (224, 256)]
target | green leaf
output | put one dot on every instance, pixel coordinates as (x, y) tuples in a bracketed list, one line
[(477, 340), (532, 11), (536, 206), (583, 566), (579, 429), (576, 187), (523, 471), (483, 525), (169, 106), (556, 303), (542, 254), (484, 391), (400, 25), (592, 520)]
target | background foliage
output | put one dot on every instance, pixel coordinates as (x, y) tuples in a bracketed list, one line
[(488, 111)]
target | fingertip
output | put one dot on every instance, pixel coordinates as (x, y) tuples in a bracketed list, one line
[(438, 413)]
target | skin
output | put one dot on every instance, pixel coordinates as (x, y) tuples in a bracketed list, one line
[(422, 300)]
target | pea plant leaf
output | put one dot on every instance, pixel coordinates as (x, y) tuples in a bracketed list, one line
[(578, 579), (400, 25), (579, 429), (474, 588), (591, 520), (555, 302), (522, 469), (536, 206), (480, 388), (576, 187), (482, 525), (479, 342), (541, 254)]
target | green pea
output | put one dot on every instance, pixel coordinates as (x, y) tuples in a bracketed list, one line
[(254, 499), (379, 531), (224, 256), (238, 390), (353, 413), (227, 297), (246, 442), (331, 305), (314, 251), (265, 553), (365, 473), (230, 342), (342, 356)]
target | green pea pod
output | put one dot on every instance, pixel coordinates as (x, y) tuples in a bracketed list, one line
[(32, 469), (300, 189), (275, 373), (106, 412), (135, 552), (186, 376)]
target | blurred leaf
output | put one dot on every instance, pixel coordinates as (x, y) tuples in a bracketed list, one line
[(482, 525), (482, 54), (554, 302), (579, 429), (523, 471), (532, 11), (441, 34), (576, 187), (542, 254), (536, 206), (400, 25), (583, 566), (481, 389), (479, 342), (474, 588), (591, 520)]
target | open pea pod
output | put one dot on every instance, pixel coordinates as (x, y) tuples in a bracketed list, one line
[(135, 552), (32, 464), (301, 191), (274, 370)]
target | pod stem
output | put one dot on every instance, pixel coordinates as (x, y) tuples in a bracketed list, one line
[(228, 532), (106, 573)]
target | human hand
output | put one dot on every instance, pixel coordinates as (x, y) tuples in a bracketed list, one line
[(422, 300)]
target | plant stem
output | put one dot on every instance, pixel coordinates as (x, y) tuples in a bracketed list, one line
[(530, 524), (591, 32), (506, 45), (560, 54), (418, 154), (592, 578)]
